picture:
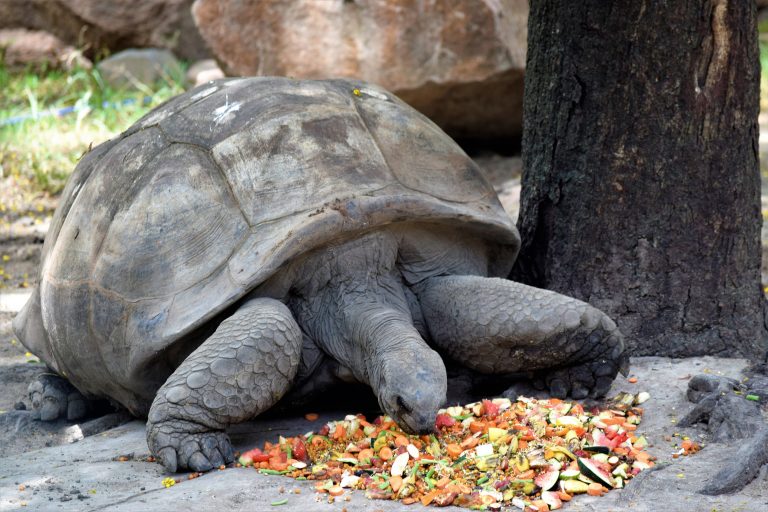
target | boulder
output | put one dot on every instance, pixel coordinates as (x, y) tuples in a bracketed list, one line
[(460, 62), (21, 48), (96, 25), (136, 67), (203, 71)]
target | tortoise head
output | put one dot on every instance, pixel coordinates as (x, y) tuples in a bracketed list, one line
[(410, 384)]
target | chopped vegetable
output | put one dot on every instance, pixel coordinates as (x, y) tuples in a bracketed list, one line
[(532, 454)]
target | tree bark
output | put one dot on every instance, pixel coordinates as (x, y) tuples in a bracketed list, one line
[(641, 185)]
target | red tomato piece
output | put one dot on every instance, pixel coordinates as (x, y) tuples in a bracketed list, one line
[(444, 420)]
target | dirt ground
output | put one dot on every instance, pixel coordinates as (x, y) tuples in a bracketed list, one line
[(75, 466)]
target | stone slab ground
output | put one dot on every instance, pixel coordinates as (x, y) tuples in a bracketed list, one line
[(86, 475)]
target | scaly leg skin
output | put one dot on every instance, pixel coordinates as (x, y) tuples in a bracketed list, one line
[(246, 366), (498, 326), (53, 397)]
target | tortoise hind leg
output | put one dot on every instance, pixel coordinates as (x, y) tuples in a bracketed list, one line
[(241, 370), (53, 397)]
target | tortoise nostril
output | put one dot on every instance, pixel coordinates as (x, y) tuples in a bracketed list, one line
[(401, 404)]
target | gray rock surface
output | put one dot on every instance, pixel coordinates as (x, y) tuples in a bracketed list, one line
[(135, 67), (461, 62), (96, 25), (87, 475)]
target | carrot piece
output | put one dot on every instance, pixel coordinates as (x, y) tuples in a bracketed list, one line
[(427, 498), (336, 491), (522, 444), (385, 453), (311, 416), (595, 489), (440, 484), (339, 432), (640, 455), (541, 505), (366, 453), (629, 427), (613, 421), (453, 450), (277, 465), (470, 442), (564, 496), (395, 482), (401, 441), (477, 426), (526, 475), (632, 380)]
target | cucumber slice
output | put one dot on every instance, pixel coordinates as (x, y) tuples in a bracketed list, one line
[(569, 474), (621, 470), (596, 473)]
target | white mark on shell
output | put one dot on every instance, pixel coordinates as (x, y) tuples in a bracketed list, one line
[(226, 112)]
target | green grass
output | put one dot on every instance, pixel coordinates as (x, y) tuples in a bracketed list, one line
[(37, 155)]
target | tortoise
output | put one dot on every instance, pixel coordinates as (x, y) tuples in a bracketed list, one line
[(254, 234)]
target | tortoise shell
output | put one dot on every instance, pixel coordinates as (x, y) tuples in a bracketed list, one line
[(163, 229)]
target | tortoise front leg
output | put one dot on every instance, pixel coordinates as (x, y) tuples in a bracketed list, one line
[(246, 366), (498, 326)]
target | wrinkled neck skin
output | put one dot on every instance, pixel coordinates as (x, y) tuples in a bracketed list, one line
[(350, 299)]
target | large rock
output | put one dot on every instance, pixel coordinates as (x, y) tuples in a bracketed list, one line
[(137, 67), (21, 48), (460, 62), (96, 25)]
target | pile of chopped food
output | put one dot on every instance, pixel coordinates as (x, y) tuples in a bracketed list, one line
[(531, 454)]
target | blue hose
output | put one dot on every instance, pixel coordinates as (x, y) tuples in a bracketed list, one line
[(61, 112)]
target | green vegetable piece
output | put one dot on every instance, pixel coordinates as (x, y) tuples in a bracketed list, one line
[(272, 472), (380, 442), (279, 502), (482, 480), (754, 398)]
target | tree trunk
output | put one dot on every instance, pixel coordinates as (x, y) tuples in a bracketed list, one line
[(641, 185)]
